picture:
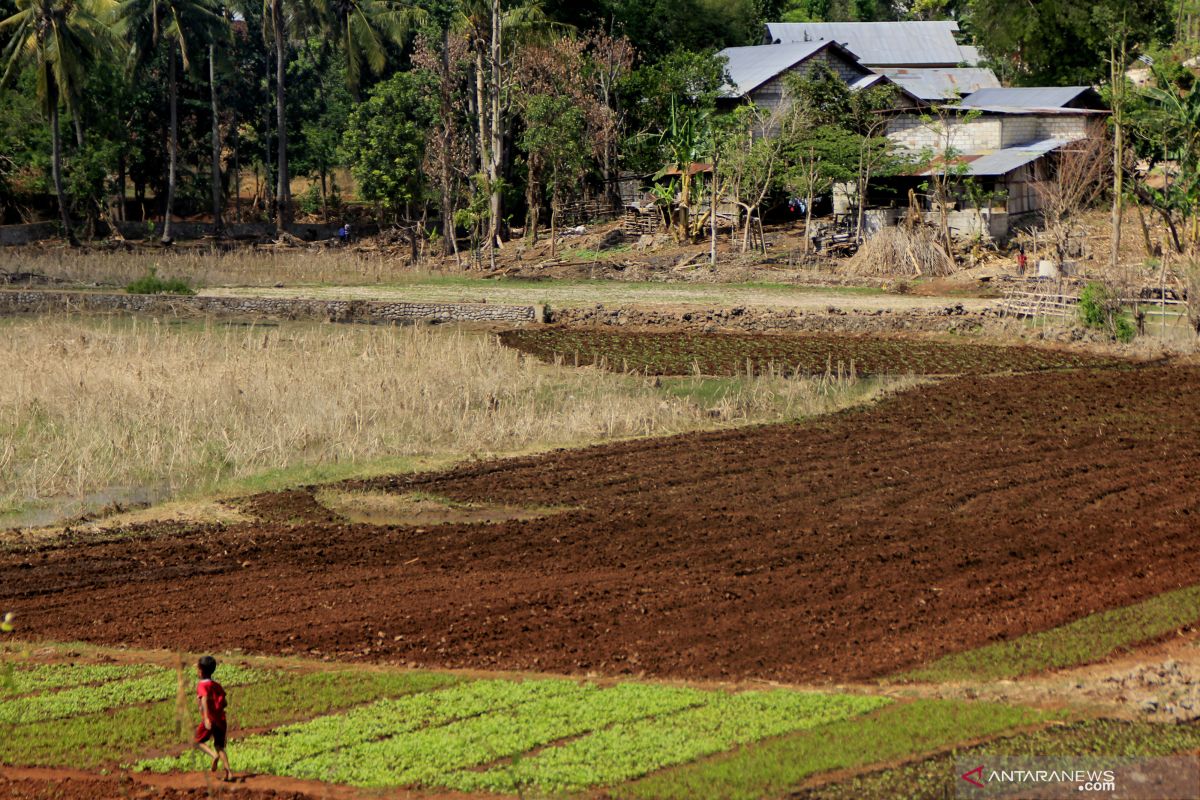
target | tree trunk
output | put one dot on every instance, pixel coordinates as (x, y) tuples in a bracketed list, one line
[(554, 221), (283, 189), (1118, 78), (172, 144), (449, 240), (495, 98), (56, 159), (534, 202), (218, 223), (712, 219), (120, 216)]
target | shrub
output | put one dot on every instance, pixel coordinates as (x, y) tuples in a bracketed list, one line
[(1100, 307), (150, 283)]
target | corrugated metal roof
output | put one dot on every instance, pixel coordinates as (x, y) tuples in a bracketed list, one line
[(867, 81), (1025, 97), (969, 55), (1030, 110), (1002, 162), (751, 67), (879, 43), (939, 83)]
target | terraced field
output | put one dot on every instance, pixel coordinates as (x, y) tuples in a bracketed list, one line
[(681, 353), (386, 729)]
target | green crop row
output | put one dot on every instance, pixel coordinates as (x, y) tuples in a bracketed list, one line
[(1086, 639), (121, 735), (430, 755), (775, 767), (629, 750), (29, 678), (279, 751), (129, 692)]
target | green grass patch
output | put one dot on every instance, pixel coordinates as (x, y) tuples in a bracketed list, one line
[(131, 691), (935, 777), (1088, 639), (150, 283), (704, 392), (774, 767), (629, 750), (109, 737), (31, 678)]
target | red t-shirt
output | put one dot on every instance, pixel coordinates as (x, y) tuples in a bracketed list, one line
[(213, 697)]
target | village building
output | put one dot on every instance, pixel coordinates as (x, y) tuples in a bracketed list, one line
[(1005, 140), (923, 57), (757, 73)]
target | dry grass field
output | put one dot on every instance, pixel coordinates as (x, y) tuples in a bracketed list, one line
[(96, 405)]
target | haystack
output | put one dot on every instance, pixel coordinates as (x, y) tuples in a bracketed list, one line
[(902, 252)]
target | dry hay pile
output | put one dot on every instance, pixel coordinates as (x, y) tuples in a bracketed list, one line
[(901, 251)]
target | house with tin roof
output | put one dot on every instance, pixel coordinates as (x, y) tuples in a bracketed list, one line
[(757, 73), (925, 58), (1005, 140)]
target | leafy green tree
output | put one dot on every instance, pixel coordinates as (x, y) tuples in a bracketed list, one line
[(554, 137), (319, 115), (1056, 42), (62, 41), (24, 147), (187, 27), (652, 91), (363, 29), (385, 142)]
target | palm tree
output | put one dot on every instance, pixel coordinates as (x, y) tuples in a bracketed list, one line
[(183, 24), (363, 29), (62, 39)]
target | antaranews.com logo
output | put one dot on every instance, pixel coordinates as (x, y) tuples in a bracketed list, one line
[(1044, 778)]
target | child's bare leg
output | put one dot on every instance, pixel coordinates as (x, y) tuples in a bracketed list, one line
[(224, 762), (208, 751)]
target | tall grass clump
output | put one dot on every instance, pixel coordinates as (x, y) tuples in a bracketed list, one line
[(93, 404)]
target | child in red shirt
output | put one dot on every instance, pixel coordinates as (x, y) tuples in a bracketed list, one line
[(212, 715)]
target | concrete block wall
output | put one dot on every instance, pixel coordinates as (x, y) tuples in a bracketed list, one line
[(909, 132)]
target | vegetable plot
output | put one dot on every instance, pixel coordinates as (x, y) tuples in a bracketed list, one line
[(443, 738), (73, 702), (654, 353)]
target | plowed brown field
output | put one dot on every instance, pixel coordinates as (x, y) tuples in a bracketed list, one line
[(940, 520)]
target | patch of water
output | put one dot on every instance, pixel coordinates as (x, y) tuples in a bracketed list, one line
[(60, 510)]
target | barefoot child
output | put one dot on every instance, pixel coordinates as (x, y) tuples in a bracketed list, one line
[(212, 715)]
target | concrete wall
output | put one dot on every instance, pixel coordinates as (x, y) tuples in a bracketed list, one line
[(1025, 129), (26, 234), (910, 133), (988, 132), (362, 311), (951, 318)]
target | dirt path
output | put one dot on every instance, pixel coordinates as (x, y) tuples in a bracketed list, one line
[(38, 783), (665, 296), (953, 516)]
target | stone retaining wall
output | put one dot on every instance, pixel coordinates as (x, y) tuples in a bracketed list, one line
[(361, 311), (832, 320)]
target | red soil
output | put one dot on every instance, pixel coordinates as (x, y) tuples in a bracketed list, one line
[(952, 516)]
